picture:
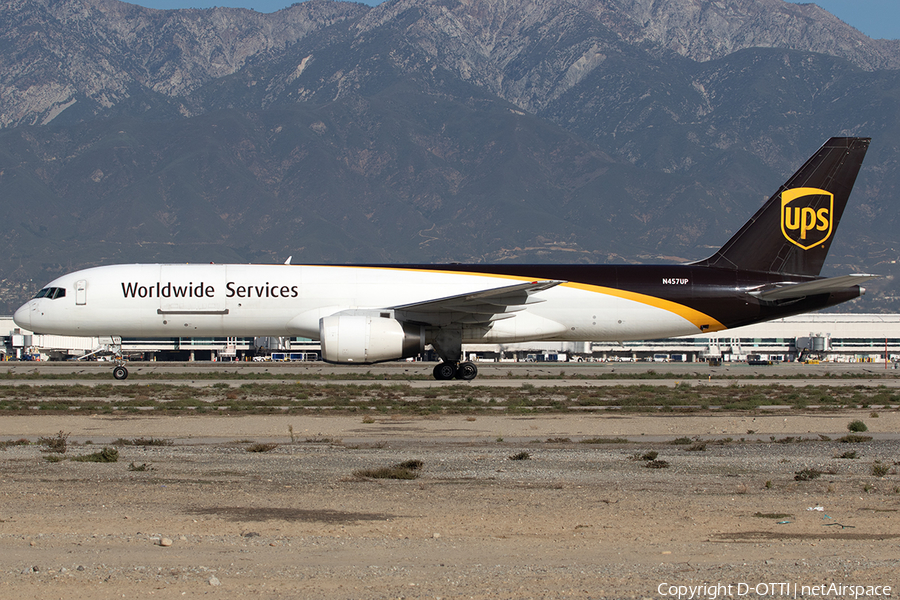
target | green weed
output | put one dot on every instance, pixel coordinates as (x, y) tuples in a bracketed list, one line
[(106, 455)]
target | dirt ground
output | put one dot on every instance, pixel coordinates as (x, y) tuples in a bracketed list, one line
[(205, 517)]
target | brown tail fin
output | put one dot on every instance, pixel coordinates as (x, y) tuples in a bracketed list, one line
[(793, 230)]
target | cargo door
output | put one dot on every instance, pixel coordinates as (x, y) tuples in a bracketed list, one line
[(192, 298)]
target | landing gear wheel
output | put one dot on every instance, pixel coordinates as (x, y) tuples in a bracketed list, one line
[(444, 371), (120, 373), (466, 371)]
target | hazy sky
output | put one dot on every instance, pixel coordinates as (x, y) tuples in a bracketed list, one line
[(875, 18)]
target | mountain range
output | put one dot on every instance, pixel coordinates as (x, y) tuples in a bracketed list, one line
[(427, 131)]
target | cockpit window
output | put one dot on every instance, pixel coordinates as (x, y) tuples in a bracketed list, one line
[(51, 292)]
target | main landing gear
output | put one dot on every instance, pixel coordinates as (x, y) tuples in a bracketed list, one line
[(466, 371), (447, 343)]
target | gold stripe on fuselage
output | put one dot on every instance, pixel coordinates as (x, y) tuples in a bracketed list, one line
[(700, 320)]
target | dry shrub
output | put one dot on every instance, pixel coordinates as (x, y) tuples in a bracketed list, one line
[(261, 447), (409, 469), (57, 443)]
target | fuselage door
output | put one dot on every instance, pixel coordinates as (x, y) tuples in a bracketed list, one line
[(81, 292)]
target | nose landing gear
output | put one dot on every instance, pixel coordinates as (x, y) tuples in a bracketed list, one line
[(119, 372)]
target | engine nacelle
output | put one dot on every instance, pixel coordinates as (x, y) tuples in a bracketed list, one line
[(368, 339)]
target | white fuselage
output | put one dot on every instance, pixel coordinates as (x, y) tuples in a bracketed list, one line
[(198, 300)]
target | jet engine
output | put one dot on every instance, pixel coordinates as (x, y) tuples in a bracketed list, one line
[(368, 339)]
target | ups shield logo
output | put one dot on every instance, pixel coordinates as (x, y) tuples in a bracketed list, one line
[(806, 216)]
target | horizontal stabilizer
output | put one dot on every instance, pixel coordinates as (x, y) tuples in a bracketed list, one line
[(788, 290)]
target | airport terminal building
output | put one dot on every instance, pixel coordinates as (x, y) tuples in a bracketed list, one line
[(838, 337), (835, 337)]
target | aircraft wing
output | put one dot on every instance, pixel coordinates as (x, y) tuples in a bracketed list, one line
[(479, 307), (788, 290)]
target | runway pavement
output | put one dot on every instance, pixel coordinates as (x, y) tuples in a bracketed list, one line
[(418, 374)]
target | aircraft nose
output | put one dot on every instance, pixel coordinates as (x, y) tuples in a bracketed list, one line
[(22, 317)]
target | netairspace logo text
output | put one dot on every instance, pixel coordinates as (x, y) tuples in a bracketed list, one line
[(780, 589)]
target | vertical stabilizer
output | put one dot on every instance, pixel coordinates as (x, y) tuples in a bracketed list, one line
[(793, 230)]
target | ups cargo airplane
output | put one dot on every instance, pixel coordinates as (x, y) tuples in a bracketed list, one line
[(366, 314)]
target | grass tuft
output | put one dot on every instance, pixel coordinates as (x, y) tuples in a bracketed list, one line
[(852, 438), (879, 469), (143, 442), (11, 443)]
